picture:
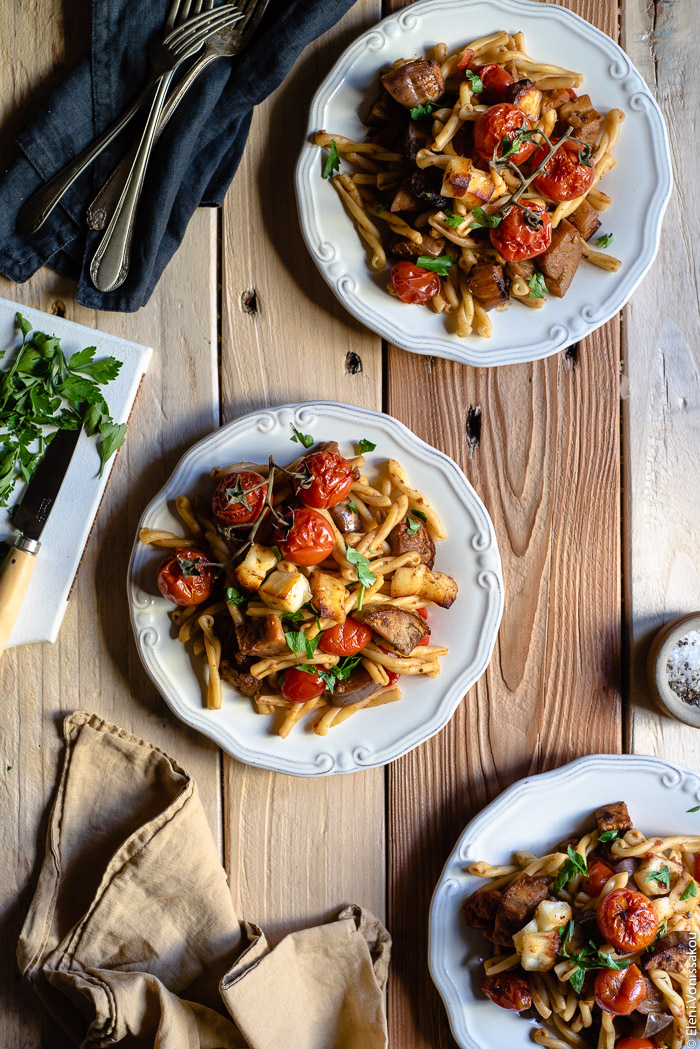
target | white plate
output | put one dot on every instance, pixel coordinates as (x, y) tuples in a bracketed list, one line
[(70, 522), (535, 814), (640, 185), (469, 554)]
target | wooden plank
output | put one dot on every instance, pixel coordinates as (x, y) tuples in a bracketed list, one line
[(547, 467), (297, 850), (661, 407), (94, 664)]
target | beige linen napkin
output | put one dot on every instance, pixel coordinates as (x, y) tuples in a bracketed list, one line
[(132, 939)]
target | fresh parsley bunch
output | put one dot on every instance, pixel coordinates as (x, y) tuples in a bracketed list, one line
[(41, 388)]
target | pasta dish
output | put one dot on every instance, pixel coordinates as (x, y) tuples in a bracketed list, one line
[(479, 179), (596, 939), (306, 586)]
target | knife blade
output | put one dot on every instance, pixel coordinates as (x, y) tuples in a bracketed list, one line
[(29, 519)]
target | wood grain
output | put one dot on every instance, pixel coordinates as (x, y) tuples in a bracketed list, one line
[(547, 468), (297, 850), (661, 407), (94, 664)]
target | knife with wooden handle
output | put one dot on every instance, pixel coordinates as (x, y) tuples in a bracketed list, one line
[(29, 519)]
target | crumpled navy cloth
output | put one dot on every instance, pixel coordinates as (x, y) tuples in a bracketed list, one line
[(192, 163)]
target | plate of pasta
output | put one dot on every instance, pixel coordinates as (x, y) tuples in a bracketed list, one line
[(470, 186), (567, 917), (315, 588)]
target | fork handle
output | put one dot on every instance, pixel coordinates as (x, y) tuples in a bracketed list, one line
[(37, 209), (102, 207), (111, 262)]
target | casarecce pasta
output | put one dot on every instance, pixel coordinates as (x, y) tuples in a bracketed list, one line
[(481, 176)]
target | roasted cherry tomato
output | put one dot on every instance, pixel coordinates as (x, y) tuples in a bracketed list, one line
[(508, 991), (598, 874), (185, 576), (501, 122), (423, 613), (480, 909), (393, 677), (636, 1043), (238, 497), (620, 991), (309, 540), (332, 480), (414, 284), (345, 639), (627, 920), (523, 233), (564, 177), (298, 686), (466, 59), (495, 80)]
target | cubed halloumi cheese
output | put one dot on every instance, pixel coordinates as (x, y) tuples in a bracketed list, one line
[(419, 581), (251, 572), (539, 951), (467, 183), (285, 591), (328, 595), (552, 914)]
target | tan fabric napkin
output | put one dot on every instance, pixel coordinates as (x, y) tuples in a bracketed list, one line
[(132, 939)]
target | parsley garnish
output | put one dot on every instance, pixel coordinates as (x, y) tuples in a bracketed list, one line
[(690, 890), (276, 551), (297, 641), (663, 876), (332, 161), (303, 438), (589, 957), (453, 219), (605, 240), (537, 285), (419, 112), (696, 808), (188, 568), (412, 527), (330, 675), (483, 220), (569, 869), (474, 81), (660, 933), (235, 597), (364, 576), (352, 507), (360, 598), (440, 265), (419, 513), (40, 388), (293, 617), (609, 835), (365, 446)]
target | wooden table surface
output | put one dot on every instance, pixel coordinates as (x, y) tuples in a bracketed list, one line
[(588, 464)]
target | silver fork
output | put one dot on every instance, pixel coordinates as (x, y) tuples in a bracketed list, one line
[(223, 44), (168, 54)]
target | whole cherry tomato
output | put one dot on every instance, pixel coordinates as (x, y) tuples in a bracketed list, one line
[(620, 991), (238, 497), (598, 874), (414, 284), (309, 540), (497, 123), (185, 576), (627, 920), (298, 686), (345, 639), (423, 613), (332, 479), (564, 177), (495, 80), (523, 233), (508, 991), (636, 1043)]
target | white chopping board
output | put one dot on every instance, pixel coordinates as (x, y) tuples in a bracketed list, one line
[(67, 530)]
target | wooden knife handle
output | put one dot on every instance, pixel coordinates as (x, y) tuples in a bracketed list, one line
[(15, 574)]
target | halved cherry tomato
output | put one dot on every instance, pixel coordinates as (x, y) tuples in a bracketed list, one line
[(423, 613), (636, 1043), (627, 920), (414, 284), (298, 686), (238, 497), (346, 638), (309, 540), (332, 479), (620, 991), (393, 677), (497, 123), (495, 80), (523, 233), (598, 874), (466, 59), (508, 991), (182, 583), (564, 177)]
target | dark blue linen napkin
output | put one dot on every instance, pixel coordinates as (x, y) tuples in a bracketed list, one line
[(192, 163)]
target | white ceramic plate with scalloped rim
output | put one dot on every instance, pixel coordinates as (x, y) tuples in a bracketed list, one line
[(640, 191), (469, 628), (535, 814)]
